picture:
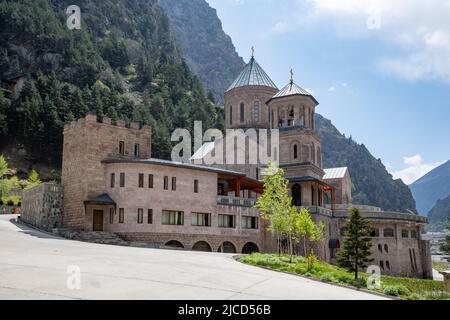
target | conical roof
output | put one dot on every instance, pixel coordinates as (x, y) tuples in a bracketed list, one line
[(252, 75), (292, 89)]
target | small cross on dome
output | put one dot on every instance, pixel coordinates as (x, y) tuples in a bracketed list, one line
[(292, 76)]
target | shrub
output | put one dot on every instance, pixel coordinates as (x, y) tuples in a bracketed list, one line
[(10, 203), (327, 277), (19, 204), (1, 202), (359, 283), (396, 291)]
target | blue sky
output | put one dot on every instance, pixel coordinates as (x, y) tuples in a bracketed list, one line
[(380, 69)]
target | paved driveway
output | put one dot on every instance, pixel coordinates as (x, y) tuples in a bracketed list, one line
[(35, 265)]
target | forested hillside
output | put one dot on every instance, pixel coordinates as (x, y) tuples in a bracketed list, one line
[(124, 63), (373, 185)]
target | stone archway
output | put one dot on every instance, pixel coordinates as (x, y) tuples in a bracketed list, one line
[(249, 248), (174, 244), (202, 246), (228, 247)]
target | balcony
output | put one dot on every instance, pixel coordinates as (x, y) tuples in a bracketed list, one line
[(320, 210), (238, 202)]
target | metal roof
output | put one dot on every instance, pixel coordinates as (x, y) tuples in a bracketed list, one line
[(335, 173), (252, 75), (292, 89), (101, 199), (176, 164), (205, 149)]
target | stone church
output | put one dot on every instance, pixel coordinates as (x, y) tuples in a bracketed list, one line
[(111, 184)]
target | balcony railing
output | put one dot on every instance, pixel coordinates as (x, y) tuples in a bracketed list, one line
[(239, 202), (320, 210)]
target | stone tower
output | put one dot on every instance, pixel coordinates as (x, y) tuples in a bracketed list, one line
[(292, 111), (86, 143), (245, 99)]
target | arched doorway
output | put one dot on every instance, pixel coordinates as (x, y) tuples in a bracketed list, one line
[(174, 244), (228, 247), (249, 248), (297, 195), (202, 246)]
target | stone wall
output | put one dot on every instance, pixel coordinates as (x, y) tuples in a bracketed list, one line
[(42, 206)]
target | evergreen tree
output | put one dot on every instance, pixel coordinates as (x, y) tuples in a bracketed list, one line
[(355, 254)]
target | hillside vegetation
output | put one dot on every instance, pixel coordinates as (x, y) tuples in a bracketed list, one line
[(124, 63)]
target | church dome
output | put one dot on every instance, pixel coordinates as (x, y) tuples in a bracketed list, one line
[(252, 75), (292, 89)]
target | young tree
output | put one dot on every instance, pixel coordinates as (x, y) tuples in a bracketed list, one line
[(3, 171), (275, 205), (33, 180), (309, 233), (357, 243)]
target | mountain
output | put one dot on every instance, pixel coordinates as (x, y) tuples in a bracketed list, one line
[(439, 214), (124, 63), (373, 185), (209, 52), (432, 187)]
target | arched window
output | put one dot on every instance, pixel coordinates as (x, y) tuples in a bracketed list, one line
[(302, 120), (295, 152), (389, 233), (386, 248), (257, 112), (231, 115), (382, 265), (380, 248), (242, 113), (313, 198)]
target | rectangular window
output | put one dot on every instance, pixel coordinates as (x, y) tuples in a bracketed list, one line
[(175, 218), (141, 180), (122, 148), (150, 216), (121, 215), (405, 233), (227, 221), (201, 219), (150, 181), (113, 180), (140, 217), (195, 186), (249, 222), (137, 150), (174, 184), (166, 183), (111, 216), (122, 180)]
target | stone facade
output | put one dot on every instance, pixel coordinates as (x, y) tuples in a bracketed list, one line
[(42, 206), (86, 144)]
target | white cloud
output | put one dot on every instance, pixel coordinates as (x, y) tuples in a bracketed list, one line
[(332, 89), (415, 169), (418, 30)]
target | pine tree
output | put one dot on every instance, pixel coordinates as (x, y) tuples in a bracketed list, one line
[(355, 254)]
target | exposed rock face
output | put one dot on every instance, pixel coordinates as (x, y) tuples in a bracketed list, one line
[(373, 185), (438, 216), (209, 52), (432, 187)]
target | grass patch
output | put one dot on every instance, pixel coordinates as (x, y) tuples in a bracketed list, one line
[(404, 288), (441, 266)]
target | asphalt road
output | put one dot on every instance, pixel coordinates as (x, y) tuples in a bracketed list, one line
[(36, 265)]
